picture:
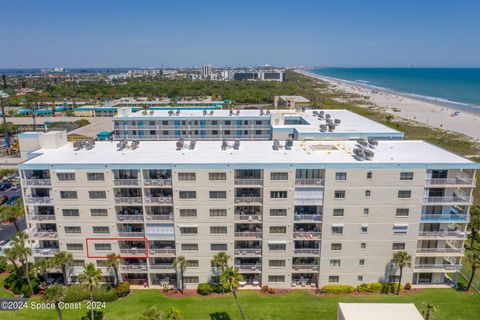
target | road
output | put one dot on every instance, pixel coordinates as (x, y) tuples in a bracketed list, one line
[(7, 231)]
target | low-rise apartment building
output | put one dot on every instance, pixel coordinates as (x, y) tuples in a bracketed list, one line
[(293, 214)]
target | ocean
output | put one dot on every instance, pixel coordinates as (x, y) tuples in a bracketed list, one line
[(455, 87)]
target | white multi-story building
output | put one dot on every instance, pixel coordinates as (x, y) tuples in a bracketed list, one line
[(207, 70), (289, 214)]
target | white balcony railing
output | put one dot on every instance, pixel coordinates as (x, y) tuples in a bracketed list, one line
[(248, 217), (245, 266), (131, 234), (247, 251), (251, 182), (248, 234), (128, 200), (305, 267), (129, 217), (248, 199), (309, 182), (304, 251), (157, 182), (440, 250), (161, 217), (442, 234), (307, 234), (446, 267), (133, 267), (443, 217), (134, 252), (126, 182), (36, 182), (162, 267), (158, 200), (161, 251), (41, 217), (307, 217), (44, 233), (46, 251), (38, 200)]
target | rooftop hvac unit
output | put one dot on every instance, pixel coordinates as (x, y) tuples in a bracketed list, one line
[(179, 144), (224, 145), (236, 145), (323, 127), (304, 109), (89, 145), (329, 121), (192, 145), (77, 146), (238, 112), (134, 145), (211, 112), (331, 127), (261, 112), (358, 152), (276, 144), (321, 114), (315, 113), (373, 142), (368, 154), (288, 144), (204, 112), (152, 112), (231, 112), (327, 116), (268, 112), (170, 112), (177, 112), (337, 121), (362, 142), (144, 112)]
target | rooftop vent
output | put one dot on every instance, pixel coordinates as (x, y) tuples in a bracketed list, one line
[(122, 144), (224, 145), (179, 144), (368, 154), (134, 145), (236, 145), (238, 112), (358, 152), (89, 144), (331, 127), (315, 113), (177, 112), (261, 112), (192, 145), (152, 112), (276, 144), (329, 121), (327, 116), (362, 142), (268, 112), (321, 114), (373, 142), (231, 112), (204, 112), (211, 112), (337, 121), (323, 127), (77, 146), (304, 109), (288, 144)]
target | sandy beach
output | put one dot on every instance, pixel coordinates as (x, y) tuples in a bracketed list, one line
[(427, 112)]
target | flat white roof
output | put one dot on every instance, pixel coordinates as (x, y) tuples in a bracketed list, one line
[(297, 98), (315, 154), (379, 311)]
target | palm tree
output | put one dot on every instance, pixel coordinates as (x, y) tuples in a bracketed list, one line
[(152, 313), (42, 266), (473, 257), (229, 279), (23, 251), (11, 214), (63, 260), (90, 277), (56, 294), (474, 225), (180, 263), (402, 259), (112, 262), (12, 256), (220, 260), (429, 310)]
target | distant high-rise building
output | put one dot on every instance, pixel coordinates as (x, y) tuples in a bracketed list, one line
[(206, 70)]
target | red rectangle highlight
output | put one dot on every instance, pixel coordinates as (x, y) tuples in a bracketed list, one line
[(116, 239)]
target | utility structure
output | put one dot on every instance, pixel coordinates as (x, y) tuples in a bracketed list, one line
[(3, 96)]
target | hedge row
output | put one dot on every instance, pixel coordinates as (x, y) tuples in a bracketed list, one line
[(77, 293), (376, 287), (207, 288)]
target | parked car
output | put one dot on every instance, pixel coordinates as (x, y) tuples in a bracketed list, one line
[(15, 187), (11, 200), (5, 186)]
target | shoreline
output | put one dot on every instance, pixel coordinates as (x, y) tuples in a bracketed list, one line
[(433, 113)]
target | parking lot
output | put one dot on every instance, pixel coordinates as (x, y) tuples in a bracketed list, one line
[(7, 231)]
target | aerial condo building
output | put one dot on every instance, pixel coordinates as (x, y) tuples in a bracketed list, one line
[(295, 198)]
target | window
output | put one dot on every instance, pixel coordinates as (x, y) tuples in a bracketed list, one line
[(278, 175), (73, 230), (187, 176), (192, 264), (190, 279), (402, 212), (218, 212), (333, 278), (278, 212), (97, 194), (187, 194), (101, 229), (102, 263), (406, 175), (277, 246), (190, 246), (278, 194), (95, 176), (400, 228), (369, 175), (366, 211), (363, 245), (398, 246), (218, 230), (218, 247), (278, 229), (66, 176), (276, 263), (393, 278), (75, 246), (216, 176), (339, 194), (336, 246), (103, 246), (188, 230), (68, 194), (70, 212), (218, 194), (340, 176), (360, 278), (165, 132), (367, 193), (276, 278), (361, 262), (338, 212), (335, 263), (404, 194), (364, 229), (99, 212), (337, 229), (188, 212), (164, 123), (78, 263)]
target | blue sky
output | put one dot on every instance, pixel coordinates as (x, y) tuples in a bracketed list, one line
[(361, 33)]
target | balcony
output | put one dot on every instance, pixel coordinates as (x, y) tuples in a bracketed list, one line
[(307, 217), (249, 182), (443, 234), (161, 252), (248, 217), (305, 267), (158, 200), (131, 234), (36, 182), (440, 252), (41, 217), (160, 217), (460, 198), (437, 267), (444, 218), (460, 180), (306, 251), (133, 267), (157, 182), (38, 200), (248, 200), (128, 200), (130, 217), (163, 267), (309, 182), (248, 252), (249, 234), (42, 233), (133, 251), (47, 252), (126, 182), (245, 267), (314, 235)]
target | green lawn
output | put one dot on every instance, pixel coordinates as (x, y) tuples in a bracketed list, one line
[(296, 305), (4, 293)]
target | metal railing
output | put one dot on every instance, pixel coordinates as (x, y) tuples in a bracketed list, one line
[(131, 234), (44, 233), (247, 217), (450, 181), (307, 217), (247, 251), (447, 267), (307, 234), (158, 200), (444, 217), (38, 200), (46, 251), (41, 217), (308, 201), (134, 251), (126, 182), (309, 182), (162, 217), (162, 267), (245, 266), (253, 182), (157, 182), (130, 217), (448, 199), (440, 250), (248, 199), (36, 182), (128, 200), (136, 267), (161, 251), (306, 251), (248, 234), (441, 234), (305, 266)]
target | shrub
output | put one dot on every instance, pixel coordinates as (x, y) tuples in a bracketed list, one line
[(271, 290), (265, 288), (123, 289), (204, 289), (219, 288), (390, 287), (104, 293), (337, 288), (370, 287), (19, 285), (408, 286), (76, 293), (3, 264)]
